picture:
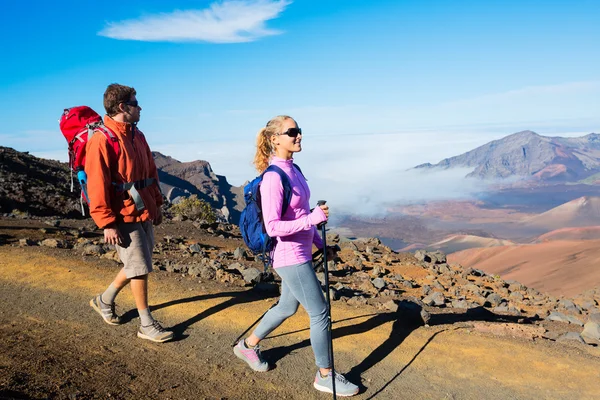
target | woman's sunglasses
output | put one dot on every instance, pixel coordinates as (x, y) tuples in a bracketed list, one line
[(292, 132)]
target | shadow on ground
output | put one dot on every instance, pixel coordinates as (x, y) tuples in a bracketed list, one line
[(407, 319)]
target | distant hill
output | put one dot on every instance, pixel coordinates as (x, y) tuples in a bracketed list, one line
[(197, 177), (558, 267), (584, 211), (456, 243), (584, 233), (527, 154)]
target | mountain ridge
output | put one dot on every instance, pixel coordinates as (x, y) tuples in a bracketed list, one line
[(526, 154)]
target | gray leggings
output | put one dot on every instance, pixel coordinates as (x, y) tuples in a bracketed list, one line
[(299, 285)]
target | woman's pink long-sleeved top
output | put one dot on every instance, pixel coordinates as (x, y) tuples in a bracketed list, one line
[(295, 231)]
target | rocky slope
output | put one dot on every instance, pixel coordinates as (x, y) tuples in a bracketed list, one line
[(39, 187), (527, 154), (197, 177), (35, 186), (365, 274)]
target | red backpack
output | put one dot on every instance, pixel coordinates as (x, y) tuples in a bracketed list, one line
[(77, 125)]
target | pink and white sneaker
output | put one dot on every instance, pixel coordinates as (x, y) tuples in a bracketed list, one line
[(251, 356)]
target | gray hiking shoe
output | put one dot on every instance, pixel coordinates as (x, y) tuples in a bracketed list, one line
[(107, 312), (155, 332), (252, 356), (342, 386)]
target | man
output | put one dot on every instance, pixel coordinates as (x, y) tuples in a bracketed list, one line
[(125, 201)]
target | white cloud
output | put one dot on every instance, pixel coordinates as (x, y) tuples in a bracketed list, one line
[(222, 22)]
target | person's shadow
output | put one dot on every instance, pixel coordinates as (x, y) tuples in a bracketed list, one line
[(405, 320), (236, 297)]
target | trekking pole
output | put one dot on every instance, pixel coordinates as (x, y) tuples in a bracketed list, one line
[(329, 327)]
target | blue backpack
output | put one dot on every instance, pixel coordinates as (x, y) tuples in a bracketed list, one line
[(252, 225)]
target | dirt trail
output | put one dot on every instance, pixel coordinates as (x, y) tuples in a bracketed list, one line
[(52, 345)]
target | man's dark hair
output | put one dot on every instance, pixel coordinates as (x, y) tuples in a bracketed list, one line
[(114, 95)]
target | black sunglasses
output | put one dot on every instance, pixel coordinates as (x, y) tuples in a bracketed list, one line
[(133, 103), (292, 132)]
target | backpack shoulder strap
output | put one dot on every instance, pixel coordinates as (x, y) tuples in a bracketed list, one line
[(299, 170), (110, 137), (285, 182)]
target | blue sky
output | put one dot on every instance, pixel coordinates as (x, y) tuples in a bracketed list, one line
[(435, 77)]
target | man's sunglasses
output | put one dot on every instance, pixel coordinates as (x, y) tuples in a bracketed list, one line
[(133, 103), (292, 132)]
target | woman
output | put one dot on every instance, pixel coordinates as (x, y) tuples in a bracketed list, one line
[(295, 233)]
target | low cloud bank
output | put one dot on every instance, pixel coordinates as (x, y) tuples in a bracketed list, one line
[(356, 174)]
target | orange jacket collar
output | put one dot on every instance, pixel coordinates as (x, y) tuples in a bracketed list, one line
[(123, 128)]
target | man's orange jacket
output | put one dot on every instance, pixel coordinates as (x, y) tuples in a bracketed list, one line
[(134, 163)]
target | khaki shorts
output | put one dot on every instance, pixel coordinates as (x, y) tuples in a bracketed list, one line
[(136, 249)]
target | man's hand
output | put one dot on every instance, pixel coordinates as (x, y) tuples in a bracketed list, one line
[(159, 217), (112, 236)]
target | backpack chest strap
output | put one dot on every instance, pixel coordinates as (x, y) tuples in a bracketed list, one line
[(132, 188)]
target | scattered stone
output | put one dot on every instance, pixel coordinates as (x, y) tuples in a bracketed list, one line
[(516, 296), (435, 298), (515, 286), (26, 242), (54, 243), (460, 304), (591, 330), (407, 284), (252, 275), (93, 250), (240, 253), (368, 287), (348, 245), (379, 272), (379, 283), (111, 255), (588, 305), (500, 309), (426, 289), (333, 294), (571, 337), (560, 317), (357, 301), (391, 306), (196, 248), (237, 267), (436, 257), (494, 300), (53, 222), (594, 317)]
